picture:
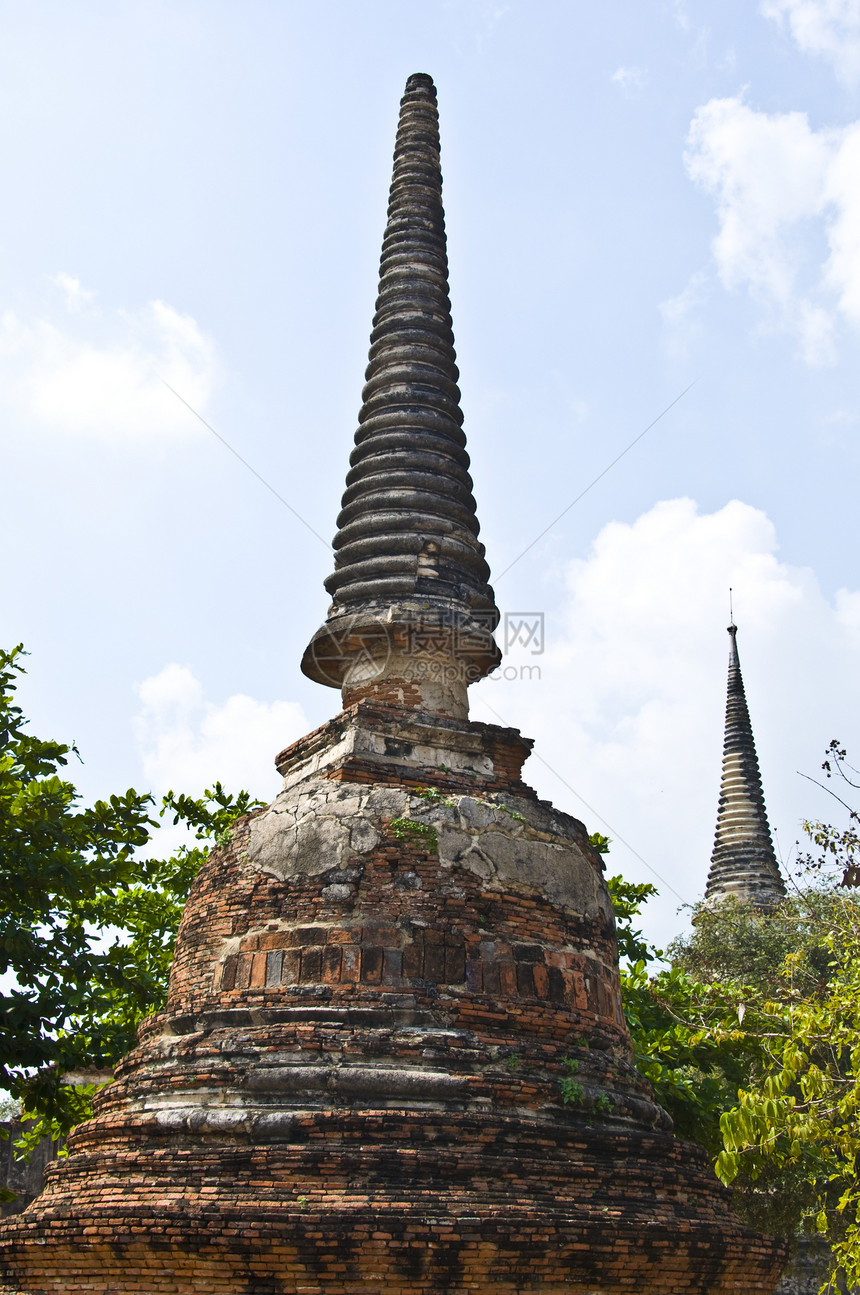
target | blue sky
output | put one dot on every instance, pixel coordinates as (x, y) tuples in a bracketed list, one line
[(639, 195)]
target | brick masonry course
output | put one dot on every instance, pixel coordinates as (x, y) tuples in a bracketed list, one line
[(380, 993)]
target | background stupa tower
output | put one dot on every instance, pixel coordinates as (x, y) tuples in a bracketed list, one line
[(743, 863), (393, 1056)]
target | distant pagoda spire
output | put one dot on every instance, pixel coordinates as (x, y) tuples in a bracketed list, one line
[(743, 864), (412, 614)]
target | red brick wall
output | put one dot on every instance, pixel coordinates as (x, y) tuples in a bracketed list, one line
[(359, 1085)]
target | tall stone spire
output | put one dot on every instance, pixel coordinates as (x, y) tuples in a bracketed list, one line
[(743, 864), (412, 614)]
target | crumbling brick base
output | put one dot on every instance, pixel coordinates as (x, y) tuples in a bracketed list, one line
[(393, 1059)]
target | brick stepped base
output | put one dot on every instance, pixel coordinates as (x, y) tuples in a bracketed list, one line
[(393, 1059), (501, 1206)]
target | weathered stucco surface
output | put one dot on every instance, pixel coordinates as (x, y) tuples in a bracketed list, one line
[(516, 844)]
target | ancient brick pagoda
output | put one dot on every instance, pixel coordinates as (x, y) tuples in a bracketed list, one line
[(743, 864), (393, 1056)]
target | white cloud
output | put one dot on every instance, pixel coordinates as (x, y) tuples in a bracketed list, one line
[(843, 194), (77, 296), (848, 608), (827, 27), (679, 315), (768, 173), (630, 78), (784, 194), (682, 18), (630, 703), (187, 743), (100, 373)]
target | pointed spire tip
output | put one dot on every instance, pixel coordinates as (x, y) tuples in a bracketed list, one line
[(419, 81), (743, 863)]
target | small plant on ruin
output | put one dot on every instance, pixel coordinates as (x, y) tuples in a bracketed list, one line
[(512, 1060), (603, 1104), (572, 1091), (434, 796), (511, 813), (407, 829)]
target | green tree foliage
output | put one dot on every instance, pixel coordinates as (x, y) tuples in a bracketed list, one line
[(791, 1134), (759, 966), (627, 900), (751, 1038), (673, 1021), (689, 1042), (687, 1032), (794, 1130), (87, 926), (701, 1026), (740, 945), (838, 848)]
